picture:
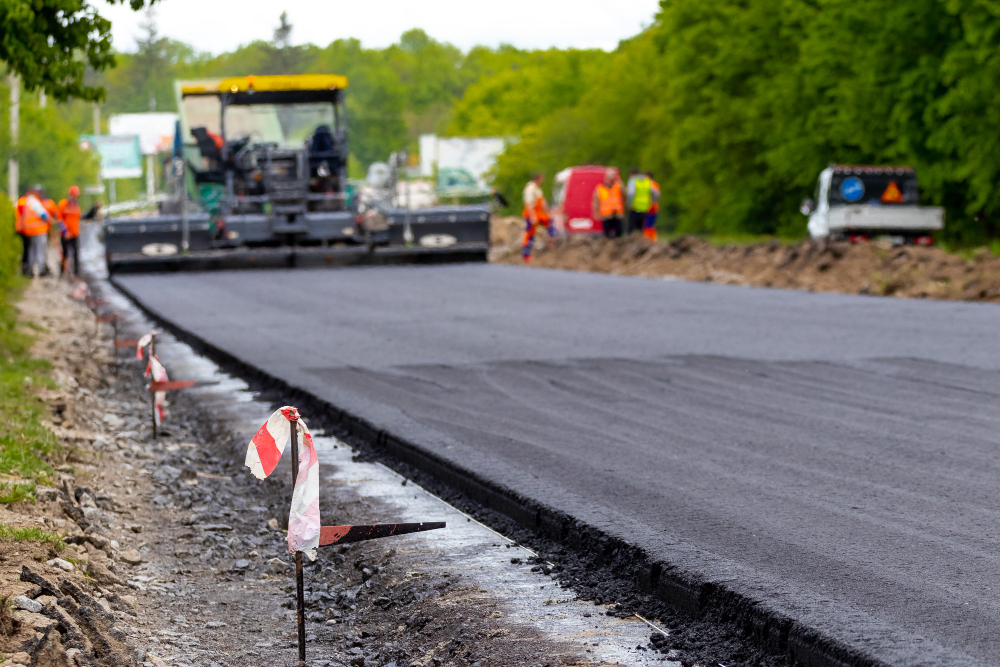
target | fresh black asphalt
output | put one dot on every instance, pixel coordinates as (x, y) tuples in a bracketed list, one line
[(834, 457)]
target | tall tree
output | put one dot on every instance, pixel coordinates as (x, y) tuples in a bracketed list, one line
[(151, 63), (50, 43), (283, 33)]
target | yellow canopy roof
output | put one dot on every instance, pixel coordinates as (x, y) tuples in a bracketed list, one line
[(281, 82)]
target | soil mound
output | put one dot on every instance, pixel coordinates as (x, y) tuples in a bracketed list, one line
[(870, 268)]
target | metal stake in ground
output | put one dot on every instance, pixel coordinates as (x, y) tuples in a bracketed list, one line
[(114, 337), (263, 453), (300, 600), (152, 394)]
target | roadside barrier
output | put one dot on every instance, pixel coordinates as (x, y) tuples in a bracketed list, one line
[(159, 383), (305, 532)]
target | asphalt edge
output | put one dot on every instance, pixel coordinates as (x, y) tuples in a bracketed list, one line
[(296, 258), (687, 592)]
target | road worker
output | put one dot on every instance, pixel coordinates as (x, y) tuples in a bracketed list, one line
[(640, 199), (35, 222), (536, 212), (69, 215), (607, 204), (649, 227)]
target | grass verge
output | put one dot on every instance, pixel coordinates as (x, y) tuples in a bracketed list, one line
[(26, 444), (17, 492), (10, 533)]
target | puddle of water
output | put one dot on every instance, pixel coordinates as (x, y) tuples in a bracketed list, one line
[(478, 554)]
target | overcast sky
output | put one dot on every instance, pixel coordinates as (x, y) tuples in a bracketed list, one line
[(222, 25)]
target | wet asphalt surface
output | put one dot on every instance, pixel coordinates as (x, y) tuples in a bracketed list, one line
[(832, 457)]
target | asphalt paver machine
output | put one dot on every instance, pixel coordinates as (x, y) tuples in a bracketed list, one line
[(259, 179)]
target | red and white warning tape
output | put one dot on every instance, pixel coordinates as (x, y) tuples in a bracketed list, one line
[(159, 374), (263, 455), (143, 342)]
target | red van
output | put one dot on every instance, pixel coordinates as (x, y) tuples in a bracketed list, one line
[(573, 196)]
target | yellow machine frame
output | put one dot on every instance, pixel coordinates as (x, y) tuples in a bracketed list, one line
[(269, 83)]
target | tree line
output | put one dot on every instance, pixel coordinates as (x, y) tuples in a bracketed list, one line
[(736, 105)]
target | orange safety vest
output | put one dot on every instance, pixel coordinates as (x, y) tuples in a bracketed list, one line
[(32, 223), (69, 215), (610, 201), (541, 215), (50, 206), (655, 207)]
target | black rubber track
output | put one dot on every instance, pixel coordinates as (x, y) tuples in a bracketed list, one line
[(825, 466)]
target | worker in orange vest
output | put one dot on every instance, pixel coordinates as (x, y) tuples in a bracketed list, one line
[(649, 226), (608, 205), (35, 223), (69, 215), (536, 212)]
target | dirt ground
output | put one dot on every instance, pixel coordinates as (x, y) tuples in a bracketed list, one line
[(869, 268)]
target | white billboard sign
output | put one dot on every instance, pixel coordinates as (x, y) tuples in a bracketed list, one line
[(462, 162), (155, 130)]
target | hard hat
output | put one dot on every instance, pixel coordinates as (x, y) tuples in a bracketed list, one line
[(74, 191), (37, 188)]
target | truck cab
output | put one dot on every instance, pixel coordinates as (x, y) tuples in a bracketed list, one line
[(860, 202)]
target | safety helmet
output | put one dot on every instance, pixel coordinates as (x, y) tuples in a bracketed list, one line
[(74, 191)]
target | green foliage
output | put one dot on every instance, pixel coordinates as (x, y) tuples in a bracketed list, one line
[(48, 147), (426, 69), (10, 251), (50, 44), (10, 533), (524, 89), (144, 80), (17, 492), (738, 104)]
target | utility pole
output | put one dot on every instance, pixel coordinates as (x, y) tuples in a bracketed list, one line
[(150, 177), (13, 173), (97, 133), (43, 100)]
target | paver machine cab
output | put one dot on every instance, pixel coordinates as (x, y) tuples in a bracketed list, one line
[(260, 180)]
